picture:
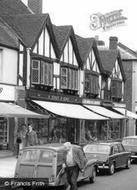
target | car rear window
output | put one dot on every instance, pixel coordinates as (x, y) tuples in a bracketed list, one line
[(46, 156), (129, 142), (29, 156), (104, 149)]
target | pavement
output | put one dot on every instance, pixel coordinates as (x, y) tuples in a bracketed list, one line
[(7, 166)]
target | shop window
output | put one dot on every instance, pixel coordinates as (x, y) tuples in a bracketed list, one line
[(41, 128), (3, 133)]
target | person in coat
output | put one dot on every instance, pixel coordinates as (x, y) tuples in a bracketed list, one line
[(74, 161), (32, 138)]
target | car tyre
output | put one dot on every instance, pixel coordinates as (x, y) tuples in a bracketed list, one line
[(128, 164), (92, 178), (112, 169)]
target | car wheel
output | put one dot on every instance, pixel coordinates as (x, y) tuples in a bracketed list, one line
[(128, 163), (92, 178), (112, 169)]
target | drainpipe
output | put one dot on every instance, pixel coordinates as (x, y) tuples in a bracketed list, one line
[(28, 69)]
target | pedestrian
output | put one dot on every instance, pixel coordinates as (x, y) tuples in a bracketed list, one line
[(32, 138), (18, 142), (74, 161), (23, 135)]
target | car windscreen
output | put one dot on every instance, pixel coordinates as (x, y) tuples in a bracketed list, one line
[(132, 142), (29, 156), (104, 149), (46, 156)]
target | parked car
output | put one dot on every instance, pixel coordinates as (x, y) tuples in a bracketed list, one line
[(110, 155), (45, 161), (130, 144)]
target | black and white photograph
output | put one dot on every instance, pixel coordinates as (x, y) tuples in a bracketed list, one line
[(68, 95)]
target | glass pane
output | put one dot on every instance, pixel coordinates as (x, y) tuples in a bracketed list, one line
[(46, 157), (97, 149), (29, 156), (64, 77), (50, 74)]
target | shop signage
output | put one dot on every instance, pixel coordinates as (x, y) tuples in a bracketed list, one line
[(119, 105), (56, 97), (7, 92), (91, 102)]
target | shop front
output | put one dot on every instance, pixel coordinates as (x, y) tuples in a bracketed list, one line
[(67, 116), (112, 129), (130, 121), (9, 113)]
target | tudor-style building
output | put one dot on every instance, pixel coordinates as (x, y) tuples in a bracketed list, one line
[(9, 96), (59, 72), (97, 92)]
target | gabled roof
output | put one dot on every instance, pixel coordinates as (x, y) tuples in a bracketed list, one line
[(108, 58), (126, 52), (6, 39), (85, 45), (62, 34), (27, 27), (13, 7)]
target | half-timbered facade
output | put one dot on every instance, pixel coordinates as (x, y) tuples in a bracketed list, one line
[(57, 72), (114, 84)]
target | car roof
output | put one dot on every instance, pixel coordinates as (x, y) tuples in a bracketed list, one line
[(51, 146), (130, 137), (104, 143)]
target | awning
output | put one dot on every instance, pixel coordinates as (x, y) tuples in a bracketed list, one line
[(104, 112), (70, 110), (126, 112), (13, 110)]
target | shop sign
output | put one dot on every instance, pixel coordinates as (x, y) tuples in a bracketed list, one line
[(119, 105), (7, 93), (91, 102), (46, 96)]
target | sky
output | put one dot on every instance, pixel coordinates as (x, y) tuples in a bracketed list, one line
[(77, 13)]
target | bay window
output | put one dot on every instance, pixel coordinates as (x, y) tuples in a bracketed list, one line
[(69, 78), (42, 73), (91, 84), (116, 89)]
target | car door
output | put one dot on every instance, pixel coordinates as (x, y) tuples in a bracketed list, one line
[(116, 156), (122, 155)]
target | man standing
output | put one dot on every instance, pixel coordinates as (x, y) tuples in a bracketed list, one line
[(32, 138), (74, 162)]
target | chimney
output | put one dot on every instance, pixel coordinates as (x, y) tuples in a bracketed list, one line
[(35, 6), (113, 42), (99, 42)]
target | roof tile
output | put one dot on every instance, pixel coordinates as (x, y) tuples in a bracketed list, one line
[(13, 7), (27, 26)]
